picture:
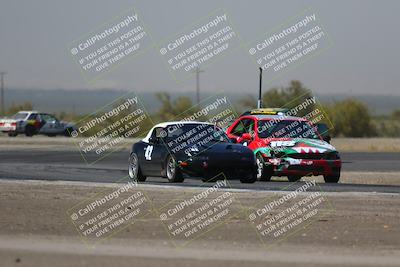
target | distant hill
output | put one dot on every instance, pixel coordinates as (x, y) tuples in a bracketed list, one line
[(87, 101)]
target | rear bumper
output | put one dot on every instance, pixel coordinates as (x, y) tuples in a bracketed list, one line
[(8, 128)]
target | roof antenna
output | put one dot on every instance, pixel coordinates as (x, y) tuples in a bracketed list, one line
[(259, 103)]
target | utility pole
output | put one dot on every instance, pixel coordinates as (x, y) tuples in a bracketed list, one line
[(2, 92), (259, 102), (198, 71)]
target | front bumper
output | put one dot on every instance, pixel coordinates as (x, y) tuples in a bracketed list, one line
[(304, 167), (230, 168)]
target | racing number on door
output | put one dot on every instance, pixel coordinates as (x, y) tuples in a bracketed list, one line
[(148, 152)]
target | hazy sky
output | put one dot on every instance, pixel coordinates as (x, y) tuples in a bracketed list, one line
[(364, 57)]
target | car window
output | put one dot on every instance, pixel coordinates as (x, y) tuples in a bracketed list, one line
[(48, 117), (249, 127), (20, 116), (33, 116), (244, 126), (188, 135), (157, 132), (286, 129), (239, 128)]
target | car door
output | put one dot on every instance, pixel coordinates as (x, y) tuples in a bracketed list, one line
[(152, 163), (51, 125)]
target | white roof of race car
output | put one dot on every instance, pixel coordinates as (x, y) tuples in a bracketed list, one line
[(169, 123), (27, 111)]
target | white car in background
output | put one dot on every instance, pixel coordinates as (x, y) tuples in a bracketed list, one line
[(33, 122)]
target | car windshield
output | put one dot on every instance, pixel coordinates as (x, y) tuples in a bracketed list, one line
[(20, 116), (286, 129), (195, 134)]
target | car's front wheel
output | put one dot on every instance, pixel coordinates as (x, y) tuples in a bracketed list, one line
[(174, 175), (29, 130), (12, 134), (135, 173), (332, 178), (263, 172)]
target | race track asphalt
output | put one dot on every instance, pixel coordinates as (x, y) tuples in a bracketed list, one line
[(69, 166)]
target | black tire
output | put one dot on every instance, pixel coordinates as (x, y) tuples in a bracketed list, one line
[(30, 130), (68, 131), (294, 178), (12, 134), (332, 178), (134, 171), (51, 135), (174, 175), (252, 178), (264, 173)]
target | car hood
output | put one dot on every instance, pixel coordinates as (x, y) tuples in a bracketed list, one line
[(219, 148), (295, 145)]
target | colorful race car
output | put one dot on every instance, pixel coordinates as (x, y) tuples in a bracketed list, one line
[(286, 146), (198, 149), (32, 122)]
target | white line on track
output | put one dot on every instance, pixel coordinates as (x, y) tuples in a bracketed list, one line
[(176, 187)]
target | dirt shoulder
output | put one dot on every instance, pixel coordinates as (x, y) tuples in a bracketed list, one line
[(359, 229)]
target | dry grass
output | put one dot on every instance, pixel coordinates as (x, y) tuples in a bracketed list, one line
[(367, 144), (62, 143)]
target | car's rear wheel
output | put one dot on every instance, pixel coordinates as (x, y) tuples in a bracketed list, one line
[(332, 178), (135, 173), (294, 178), (174, 175), (12, 134), (29, 130), (263, 172)]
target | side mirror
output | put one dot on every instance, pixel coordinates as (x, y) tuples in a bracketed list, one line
[(247, 137), (322, 129), (327, 138)]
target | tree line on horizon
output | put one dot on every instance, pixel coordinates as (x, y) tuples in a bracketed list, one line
[(349, 117)]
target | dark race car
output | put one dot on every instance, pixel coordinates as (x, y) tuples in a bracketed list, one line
[(286, 146), (198, 149)]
